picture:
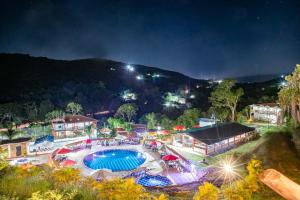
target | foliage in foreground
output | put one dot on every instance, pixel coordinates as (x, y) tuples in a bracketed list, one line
[(45, 183), (207, 191), (242, 189)]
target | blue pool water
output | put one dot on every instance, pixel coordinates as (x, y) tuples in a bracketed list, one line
[(115, 160), (151, 181)]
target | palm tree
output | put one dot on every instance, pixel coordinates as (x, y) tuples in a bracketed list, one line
[(289, 95)]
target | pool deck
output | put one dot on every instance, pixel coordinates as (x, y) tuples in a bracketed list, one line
[(150, 163), (153, 163)]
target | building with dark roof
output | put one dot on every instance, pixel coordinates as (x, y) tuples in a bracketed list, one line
[(72, 125), (214, 139)]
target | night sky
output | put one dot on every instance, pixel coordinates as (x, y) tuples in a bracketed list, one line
[(203, 39)]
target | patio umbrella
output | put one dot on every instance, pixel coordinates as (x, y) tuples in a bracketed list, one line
[(153, 143), (64, 151), (88, 141), (169, 157), (179, 128), (68, 163)]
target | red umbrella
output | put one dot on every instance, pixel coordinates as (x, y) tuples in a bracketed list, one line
[(64, 151), (179, 128), (153, 143), (88, 141), (169, 157), (68, 163)]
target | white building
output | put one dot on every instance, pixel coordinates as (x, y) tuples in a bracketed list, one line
[(267, 112), (70, 125), (206, 122)]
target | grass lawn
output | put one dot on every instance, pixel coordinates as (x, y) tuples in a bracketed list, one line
[(239, 151), (279, 153), (275, 149)]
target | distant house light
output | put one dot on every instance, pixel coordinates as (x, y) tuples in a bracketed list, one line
[(155, 75), (130, 68), (139, 77)]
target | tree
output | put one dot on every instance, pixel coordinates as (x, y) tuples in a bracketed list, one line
[(73, 108), (166, 123), (3, 162), (219, 113), (190, 117), (244, 114), (10, 112), (31, 110), (45, 107), (151, 120), (66, 176), (114, 123), (237, 191), (55, 114), (121, 189), (224, 96), (289, 95), (126, 111), (207, 191), (88, 130), (11, 130)]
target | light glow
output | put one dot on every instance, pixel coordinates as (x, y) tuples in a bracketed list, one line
[(228, 169), (139, 77), (130, 68)]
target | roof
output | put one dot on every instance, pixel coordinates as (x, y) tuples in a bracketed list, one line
[(267, 104), (207, 120), (18, 140), (78, 118), (218, 132)]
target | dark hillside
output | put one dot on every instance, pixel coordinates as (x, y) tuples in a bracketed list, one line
[(97, 84)]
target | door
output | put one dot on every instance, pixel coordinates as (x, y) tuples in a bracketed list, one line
[(18, 151)]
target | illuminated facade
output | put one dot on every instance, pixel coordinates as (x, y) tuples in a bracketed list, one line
[(267, 112), (72, 125), (214, 139)]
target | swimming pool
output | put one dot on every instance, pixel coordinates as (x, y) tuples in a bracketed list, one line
[(115, 160), (154, 181)]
